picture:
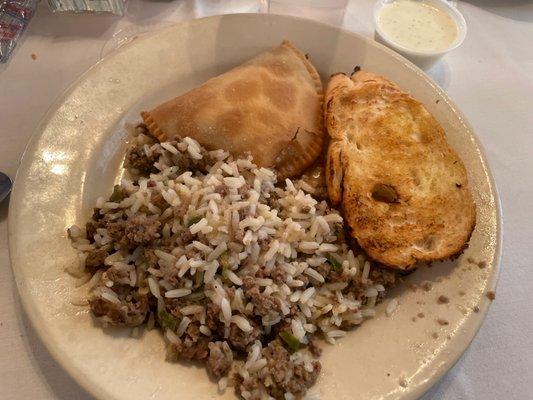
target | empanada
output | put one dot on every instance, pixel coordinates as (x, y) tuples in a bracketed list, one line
[(270, 107)]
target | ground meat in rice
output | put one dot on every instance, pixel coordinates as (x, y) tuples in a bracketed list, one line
[(302, 379), (171, 275), (159, 201), (212, 318), (244, 212), (97, 216), (174, 306), (141, 230), (183, 163), (384, 277), (264, 243), (141, 128), (287, 375), (323, 269), (204, 163), (238, 236), (304, 279), (218, 364), (149, 257), (118, 275), (314, 348), (249, 385), (221, 190), (337, 277), (279, 275), (263, 304), (248, 282), (95, 260), (90, 229), (137, 158), (240, 340), (125, 313), (244, 191), (115, 229), (184, 237), (227, 293), (193, 351)]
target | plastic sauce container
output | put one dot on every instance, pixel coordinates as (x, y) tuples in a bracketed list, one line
[(421, 30)]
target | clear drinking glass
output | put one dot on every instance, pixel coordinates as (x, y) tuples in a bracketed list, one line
[(329, 11)]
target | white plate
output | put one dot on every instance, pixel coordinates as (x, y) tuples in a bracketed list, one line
[(76, 155)]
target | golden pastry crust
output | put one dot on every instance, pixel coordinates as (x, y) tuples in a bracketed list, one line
[(403, 189), (270, 107)]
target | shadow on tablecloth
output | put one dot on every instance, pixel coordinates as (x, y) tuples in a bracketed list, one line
[(519, 10)]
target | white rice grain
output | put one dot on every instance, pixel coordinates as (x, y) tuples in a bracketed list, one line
[(297, 329), (167, 146), (258, 365), (391, 307), (193, 309), (176, 293), (234, 278), (226, 310), (204, 329), (164, 256), (154, 287), (314, 274), (336, 333), (306, 295), (197, 227), (210, 271), (185, 321), (110, 296), (242, 323), (274, 246), (327, 247), (234, 183), (366, 270), (202, 247), (368, 312), (217, 252), (222, 384), (308, 246), (172, 337)]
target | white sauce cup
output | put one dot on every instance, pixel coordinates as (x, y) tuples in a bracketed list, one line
[(424, 59)]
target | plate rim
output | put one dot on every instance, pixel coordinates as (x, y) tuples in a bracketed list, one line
[(26, 159)]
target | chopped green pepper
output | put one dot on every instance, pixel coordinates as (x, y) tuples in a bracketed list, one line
[(166, 320), (118, 194), (224, 274), (337, 266), (192, 221), (290, 340), (198, 279), (224, 259), (196, 295), (224, 263)]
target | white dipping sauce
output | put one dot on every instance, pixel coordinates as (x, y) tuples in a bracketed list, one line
[(417, 25)]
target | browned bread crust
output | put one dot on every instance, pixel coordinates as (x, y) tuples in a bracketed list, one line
[(403, 189)]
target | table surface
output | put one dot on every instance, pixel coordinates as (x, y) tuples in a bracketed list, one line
[(490, 77)]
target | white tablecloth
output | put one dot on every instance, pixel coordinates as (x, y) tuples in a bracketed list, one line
[(490, 78)]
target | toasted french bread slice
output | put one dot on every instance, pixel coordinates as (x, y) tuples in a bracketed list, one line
[(403, 189)]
